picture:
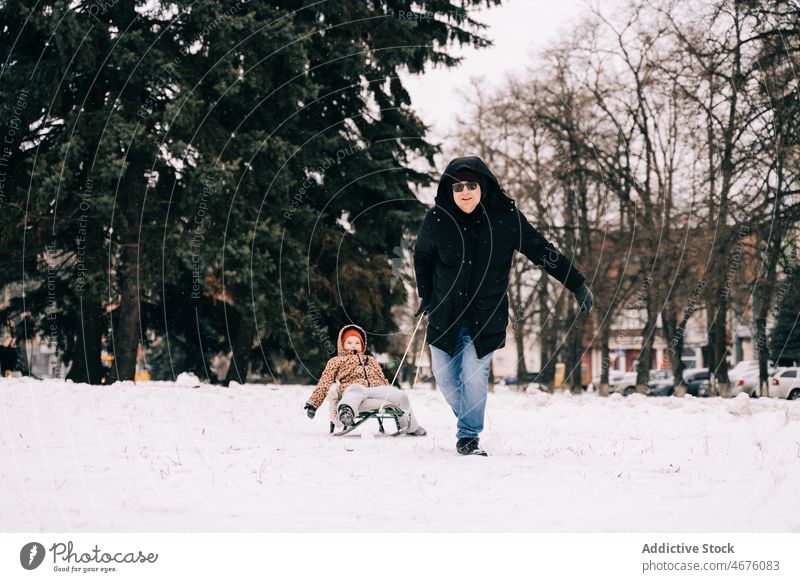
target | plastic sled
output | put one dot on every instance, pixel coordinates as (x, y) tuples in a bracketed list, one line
[(388, 412)]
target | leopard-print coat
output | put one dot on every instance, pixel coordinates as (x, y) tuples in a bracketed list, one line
[(347, 369)]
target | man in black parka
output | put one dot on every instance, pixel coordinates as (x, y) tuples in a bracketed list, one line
[(462, 261)]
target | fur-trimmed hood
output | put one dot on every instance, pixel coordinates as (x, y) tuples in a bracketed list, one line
[(340, 343)]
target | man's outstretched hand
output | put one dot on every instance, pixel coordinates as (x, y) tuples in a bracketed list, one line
[(584, 298), (424, 304)]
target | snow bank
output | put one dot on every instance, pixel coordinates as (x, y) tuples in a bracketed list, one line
[(187, 456)]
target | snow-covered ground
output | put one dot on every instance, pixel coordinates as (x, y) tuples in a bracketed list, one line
[(166, 457)]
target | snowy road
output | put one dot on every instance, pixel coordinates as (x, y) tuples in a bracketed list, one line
[(159, 457)]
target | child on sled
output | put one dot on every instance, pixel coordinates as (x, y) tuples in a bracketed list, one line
[(361, 383)]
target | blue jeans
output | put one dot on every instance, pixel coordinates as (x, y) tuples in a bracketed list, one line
[(463, 381)]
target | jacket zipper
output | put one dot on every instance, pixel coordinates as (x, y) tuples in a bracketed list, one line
[(363, 367)]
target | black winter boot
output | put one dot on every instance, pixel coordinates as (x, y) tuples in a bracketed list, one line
[(469, 446), (346, 416)]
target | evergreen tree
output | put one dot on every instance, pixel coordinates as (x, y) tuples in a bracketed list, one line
[(210, 177)]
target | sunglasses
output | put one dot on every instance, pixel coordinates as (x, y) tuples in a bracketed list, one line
[(459, 186)]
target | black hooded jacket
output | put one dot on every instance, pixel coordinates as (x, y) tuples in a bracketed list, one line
[(462, 261)]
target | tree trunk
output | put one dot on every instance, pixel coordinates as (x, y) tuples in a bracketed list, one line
[(763, 296), (522, 369), (648, 335), (677, 341), (240, 351), (127, 331), (87, 367), (763, 355), (573, 380), (605, 357), (546, 353), (719, 364)]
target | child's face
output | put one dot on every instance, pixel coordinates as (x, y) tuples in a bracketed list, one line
[(352, 343)]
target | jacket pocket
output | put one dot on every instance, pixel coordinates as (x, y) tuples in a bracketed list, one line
[(451, 255)]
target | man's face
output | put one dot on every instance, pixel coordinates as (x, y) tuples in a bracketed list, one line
[(467, 199)]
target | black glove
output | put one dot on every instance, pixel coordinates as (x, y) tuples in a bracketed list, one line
[(584, 297), (424, 304), (310, 410)]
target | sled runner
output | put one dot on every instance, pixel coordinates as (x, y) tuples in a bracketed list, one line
[(381, 414)]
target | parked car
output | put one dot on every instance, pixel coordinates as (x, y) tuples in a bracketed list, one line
[(662, 383), (785, 383), (622, 382), (696, 380), (741, 369), (748, 381)]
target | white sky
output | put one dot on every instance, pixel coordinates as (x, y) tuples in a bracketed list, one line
[(518, 28)]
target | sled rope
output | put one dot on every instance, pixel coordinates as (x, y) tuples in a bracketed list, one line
[(400, 365), (419, 357)]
